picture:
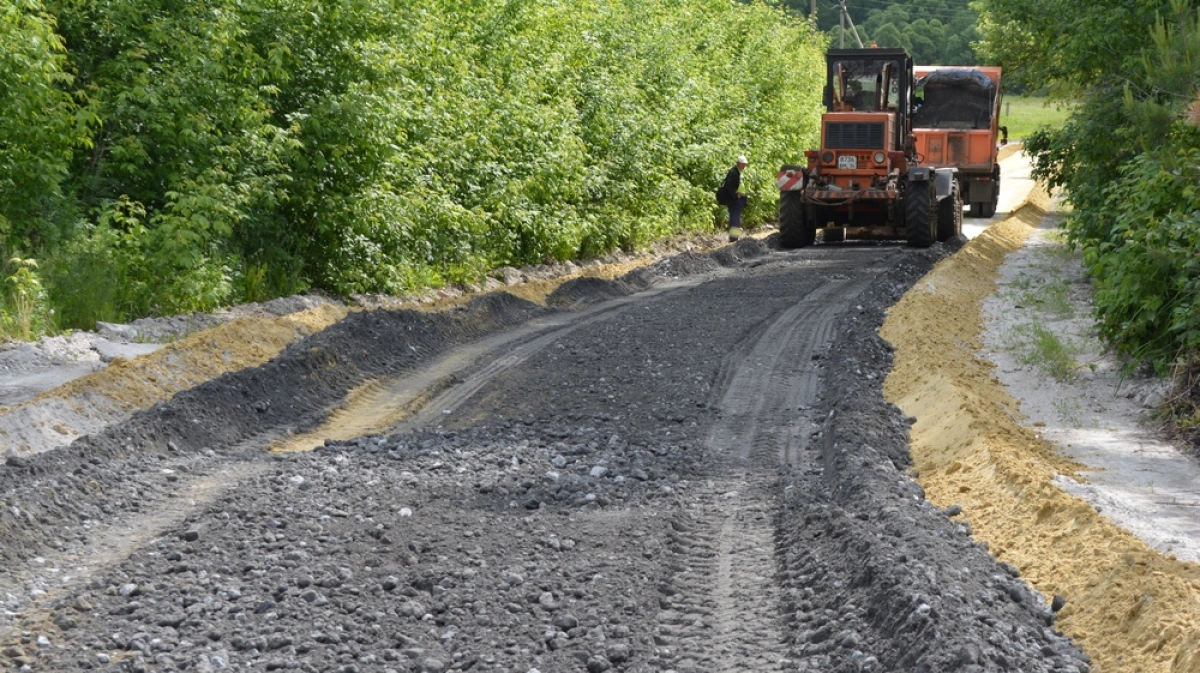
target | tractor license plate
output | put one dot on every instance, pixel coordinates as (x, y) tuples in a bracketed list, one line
[(848, 161)]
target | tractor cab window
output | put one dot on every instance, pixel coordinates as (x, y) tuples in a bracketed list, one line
[(866, 85)]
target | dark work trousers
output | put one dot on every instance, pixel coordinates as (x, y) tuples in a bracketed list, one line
[(735, 213)]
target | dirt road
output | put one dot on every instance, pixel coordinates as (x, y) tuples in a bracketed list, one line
[(691, 468)]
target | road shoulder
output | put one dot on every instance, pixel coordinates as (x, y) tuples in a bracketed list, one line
[(976, 447), (1041, 337)]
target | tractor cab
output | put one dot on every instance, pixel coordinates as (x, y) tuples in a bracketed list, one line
[(868, 102), (868, 80)]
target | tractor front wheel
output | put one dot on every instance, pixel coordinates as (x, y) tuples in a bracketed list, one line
[(795, 228), (949, 216), (921, 213)]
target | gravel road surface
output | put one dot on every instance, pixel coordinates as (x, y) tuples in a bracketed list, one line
[(688, 469)]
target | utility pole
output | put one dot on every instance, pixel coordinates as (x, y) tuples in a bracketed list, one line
[(812, 13), (842, 18), (853, 30)]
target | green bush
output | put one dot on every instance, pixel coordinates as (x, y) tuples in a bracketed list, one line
[(1147, 274), (214, 151), (116, 270), (24, 313), (39, 128)]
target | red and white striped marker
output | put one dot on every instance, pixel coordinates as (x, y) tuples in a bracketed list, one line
[(790, 180)]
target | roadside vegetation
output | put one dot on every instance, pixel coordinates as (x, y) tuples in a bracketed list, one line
[(1129, 159), (166, 158)]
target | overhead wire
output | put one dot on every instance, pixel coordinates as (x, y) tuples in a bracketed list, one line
[(879, 5)]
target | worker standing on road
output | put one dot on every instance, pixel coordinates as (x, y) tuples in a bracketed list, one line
[(730, 196)]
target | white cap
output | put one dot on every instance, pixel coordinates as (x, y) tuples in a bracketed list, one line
[(742, 159)]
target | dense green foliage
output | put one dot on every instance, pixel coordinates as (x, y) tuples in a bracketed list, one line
[(38, 127), (935, 32), (174, 156), (1128, 156)]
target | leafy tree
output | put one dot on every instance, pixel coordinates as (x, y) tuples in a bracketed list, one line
[(242, 149), (39, 128), (936, 32), (1127, 159), (1066, 45), (888, 35)]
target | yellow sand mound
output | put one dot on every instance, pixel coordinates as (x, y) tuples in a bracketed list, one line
[(1132, 609)]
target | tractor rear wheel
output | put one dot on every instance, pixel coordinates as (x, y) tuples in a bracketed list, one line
[(949, 215), (796, 230), (921, 213)]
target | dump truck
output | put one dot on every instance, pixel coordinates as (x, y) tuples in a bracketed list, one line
[(866, 179), (957, 125)]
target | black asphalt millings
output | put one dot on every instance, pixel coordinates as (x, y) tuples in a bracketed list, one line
[(101, 475), (736, 253), (905, 582), (294, 390), (587, 291)]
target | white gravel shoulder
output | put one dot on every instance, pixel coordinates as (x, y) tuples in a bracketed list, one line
[(1145, 485), (27, 369)]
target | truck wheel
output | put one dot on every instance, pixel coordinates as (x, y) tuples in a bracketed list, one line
[(995, 190), (949, 216), (795, 229), (920, 213)]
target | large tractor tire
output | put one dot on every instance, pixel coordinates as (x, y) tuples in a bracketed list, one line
[(796, 230), (920, 213), (949, 216)]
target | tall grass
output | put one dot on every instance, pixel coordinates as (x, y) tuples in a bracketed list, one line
[(24, 313), (1025, 114)]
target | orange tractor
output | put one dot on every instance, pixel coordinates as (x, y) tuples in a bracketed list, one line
[(866, 180), (957, 125)]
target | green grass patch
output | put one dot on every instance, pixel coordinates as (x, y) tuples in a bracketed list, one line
[(1025, 114), (1070, 410), (1052, 355), (1052, 297)]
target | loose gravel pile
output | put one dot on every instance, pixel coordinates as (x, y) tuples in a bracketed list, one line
[(903, 582), (541, 527)]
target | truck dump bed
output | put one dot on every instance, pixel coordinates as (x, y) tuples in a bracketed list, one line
[(957, 125)]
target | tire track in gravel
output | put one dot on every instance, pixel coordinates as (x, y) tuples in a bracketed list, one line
[(114, 541), (406, 402), (721, 609), (424, 396)]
